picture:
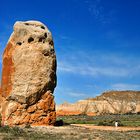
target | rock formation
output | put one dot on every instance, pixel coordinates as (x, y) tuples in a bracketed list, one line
[(29, 76), (113, 102)]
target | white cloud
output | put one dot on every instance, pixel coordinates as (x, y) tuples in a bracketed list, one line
[(64, 37), (77, 94), (93, 71), (99, 12), (123, 86), (100, 65)]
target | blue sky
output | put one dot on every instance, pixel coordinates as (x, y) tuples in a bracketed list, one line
[(97, 42)]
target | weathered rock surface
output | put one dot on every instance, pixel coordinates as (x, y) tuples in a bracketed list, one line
[(113, 102), (29, 76)]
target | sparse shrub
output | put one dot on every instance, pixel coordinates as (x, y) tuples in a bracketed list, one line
[(27, 126), (123, 119), (5, 129), (106, 123), (16, 131), (109, 123), (101, 123), (7, 138)]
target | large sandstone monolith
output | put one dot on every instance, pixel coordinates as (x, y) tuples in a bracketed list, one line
[(29, 76)]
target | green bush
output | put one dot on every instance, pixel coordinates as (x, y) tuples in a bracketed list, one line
[(106, 123), (109, 123), (16, 131), (27, 126), (5, 129)]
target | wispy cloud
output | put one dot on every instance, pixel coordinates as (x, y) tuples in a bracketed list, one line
[(93, 70), (64, 37), (77, 94), (131, 43), (99, 12), (100, 65), (123, 86)]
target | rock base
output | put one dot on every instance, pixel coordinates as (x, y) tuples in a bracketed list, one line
[(41, 113)]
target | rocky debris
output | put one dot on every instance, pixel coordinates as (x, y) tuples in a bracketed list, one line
[(29, 76), (112, 102)]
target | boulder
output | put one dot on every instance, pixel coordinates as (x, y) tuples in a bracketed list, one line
[(29, 76)]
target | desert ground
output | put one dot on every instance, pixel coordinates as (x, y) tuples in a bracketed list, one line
[(72, 132), (78, 128)]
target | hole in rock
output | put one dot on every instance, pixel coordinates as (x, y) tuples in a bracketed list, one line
[(30, 40), (26, 23), (45, 52), (41, 39), (19, 43), (45, 35), (52, 51), (43, 27), (51, 43)]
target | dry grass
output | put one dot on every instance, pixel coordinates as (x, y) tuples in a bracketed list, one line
[(66, 133), (71, 132)]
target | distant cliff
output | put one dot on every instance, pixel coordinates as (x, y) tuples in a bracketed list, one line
[(111, 102)]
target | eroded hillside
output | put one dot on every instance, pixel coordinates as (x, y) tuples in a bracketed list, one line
[(111, 102)]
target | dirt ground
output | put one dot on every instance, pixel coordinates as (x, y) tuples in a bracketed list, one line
[(109, 128), (75, 132), (91, 132)]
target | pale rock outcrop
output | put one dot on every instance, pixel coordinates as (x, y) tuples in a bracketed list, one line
[(113, 102), (29, 76)]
